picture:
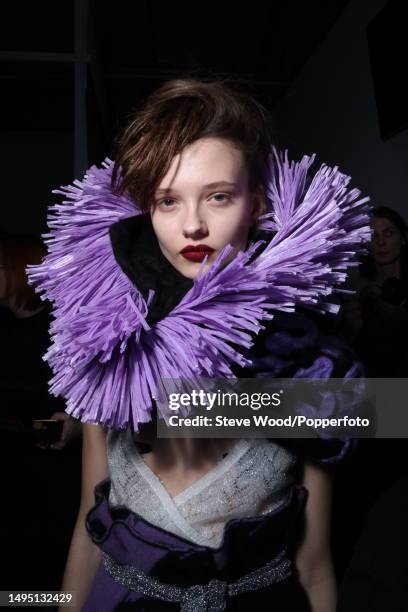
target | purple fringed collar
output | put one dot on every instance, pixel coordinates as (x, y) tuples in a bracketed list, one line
[(107, 359)]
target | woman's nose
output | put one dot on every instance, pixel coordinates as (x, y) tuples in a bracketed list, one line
[(194, 225)]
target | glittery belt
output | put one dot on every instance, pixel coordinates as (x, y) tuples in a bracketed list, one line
[(208, 597)]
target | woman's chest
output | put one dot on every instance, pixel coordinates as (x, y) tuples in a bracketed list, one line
[(252, 479), (177, 476)]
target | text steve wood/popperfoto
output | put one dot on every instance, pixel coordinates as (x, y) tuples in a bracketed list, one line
[(292, 421)]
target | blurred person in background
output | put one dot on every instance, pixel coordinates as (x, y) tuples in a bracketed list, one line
[(376, 318), (25, 320), (375, 323), (50, 483)]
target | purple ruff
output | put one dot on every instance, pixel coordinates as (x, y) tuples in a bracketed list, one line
[(108, 363)]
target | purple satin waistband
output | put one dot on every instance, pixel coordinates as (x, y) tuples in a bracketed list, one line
[(248, 542)]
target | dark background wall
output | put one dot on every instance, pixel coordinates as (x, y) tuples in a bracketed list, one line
[(309, 65), (330, 109), (33, 163)]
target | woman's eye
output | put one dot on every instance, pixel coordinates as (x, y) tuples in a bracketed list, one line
[(165, 202), (221, 198), (225, 197)]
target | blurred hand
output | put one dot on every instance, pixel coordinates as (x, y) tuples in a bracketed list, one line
[(71, 430)]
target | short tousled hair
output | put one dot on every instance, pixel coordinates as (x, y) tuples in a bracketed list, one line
[(175, 115)]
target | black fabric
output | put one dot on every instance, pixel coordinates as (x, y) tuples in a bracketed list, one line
[(137, 251)]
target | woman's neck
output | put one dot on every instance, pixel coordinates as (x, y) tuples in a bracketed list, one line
[(180, 452), (389, 270)]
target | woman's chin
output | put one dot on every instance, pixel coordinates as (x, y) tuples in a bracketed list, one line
[(193, 271), (190, 269), (383, 260)]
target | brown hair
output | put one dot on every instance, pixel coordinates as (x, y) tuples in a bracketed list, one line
[(178, 113), (17, 253)]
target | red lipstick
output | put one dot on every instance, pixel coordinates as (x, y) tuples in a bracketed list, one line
[(197, 252)]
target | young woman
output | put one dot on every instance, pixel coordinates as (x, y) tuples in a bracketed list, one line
[(147, 287)]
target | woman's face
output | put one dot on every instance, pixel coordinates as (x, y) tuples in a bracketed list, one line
[(386, 244), (203, 203)]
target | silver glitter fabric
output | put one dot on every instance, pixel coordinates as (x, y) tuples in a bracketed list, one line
[(199, 597)]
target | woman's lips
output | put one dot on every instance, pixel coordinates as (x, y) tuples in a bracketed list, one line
[(197, 252)]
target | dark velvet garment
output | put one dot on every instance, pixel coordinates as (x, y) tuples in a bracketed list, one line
[(290, 345)]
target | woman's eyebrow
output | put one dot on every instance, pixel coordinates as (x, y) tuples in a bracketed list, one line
[(208, 186)]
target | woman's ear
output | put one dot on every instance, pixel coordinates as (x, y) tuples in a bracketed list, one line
[(259, 206)]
